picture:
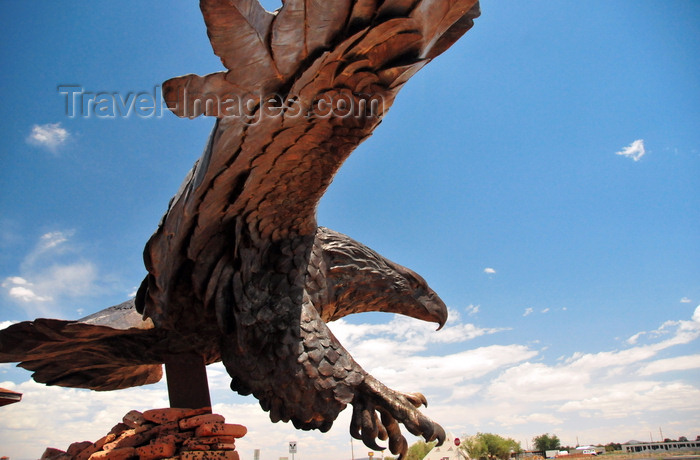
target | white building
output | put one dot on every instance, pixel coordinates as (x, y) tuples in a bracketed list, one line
[(636, 446)]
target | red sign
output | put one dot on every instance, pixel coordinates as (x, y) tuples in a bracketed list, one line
[(457, 441)]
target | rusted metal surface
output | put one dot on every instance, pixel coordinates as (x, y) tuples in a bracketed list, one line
[(238, 269)]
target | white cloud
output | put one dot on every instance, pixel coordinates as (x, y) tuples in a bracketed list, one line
[(545, 418), (52, 239), (20, 289), (489, 271), (17, 280), (679, 363), (50, 244), (56, 417), (50, 283), (412, 367), (528, 311), (681, 331), (532, 382), (25, 294), (635, 338), (473, 309), (635, 150), (623, 399), (50, 136), (75, 279), (606, 384), (52, 271), (406, 335), (545, 310), (686, 300)]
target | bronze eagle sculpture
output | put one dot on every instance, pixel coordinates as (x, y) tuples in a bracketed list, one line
[(238, 269)]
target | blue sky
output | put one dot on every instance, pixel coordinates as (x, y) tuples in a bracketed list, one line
[(542, 175)]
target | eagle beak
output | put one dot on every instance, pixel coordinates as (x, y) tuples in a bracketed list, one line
[(436, 310), (425, 304)]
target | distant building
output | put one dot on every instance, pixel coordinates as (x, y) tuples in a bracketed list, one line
[(636, 446)]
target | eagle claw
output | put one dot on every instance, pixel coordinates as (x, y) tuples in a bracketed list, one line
[(417, 399), (378, 410)]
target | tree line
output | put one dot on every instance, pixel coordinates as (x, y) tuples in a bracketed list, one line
[(489, 446)]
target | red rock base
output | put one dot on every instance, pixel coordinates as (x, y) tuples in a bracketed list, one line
[(185, 434)]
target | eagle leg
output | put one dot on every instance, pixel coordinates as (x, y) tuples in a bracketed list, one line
[(372, 398)]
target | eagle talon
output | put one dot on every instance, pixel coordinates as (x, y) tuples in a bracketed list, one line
[(397, 443), (365, 425), (393, 408), (417, 399)]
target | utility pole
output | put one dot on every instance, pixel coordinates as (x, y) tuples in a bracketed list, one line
[(661, 434), (352, 449)]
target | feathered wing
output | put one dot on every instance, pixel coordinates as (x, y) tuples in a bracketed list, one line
[(238, 32), (86, 353), (277, 146), (288, 149), (303, 28)]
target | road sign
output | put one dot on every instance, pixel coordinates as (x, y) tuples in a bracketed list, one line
[(457, 441), (292, 447), (371, 454)]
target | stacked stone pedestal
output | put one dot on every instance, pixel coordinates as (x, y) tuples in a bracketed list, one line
[(185, 434)]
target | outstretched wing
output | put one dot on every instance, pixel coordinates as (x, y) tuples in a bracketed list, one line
[(86, 353), (315, 81)]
